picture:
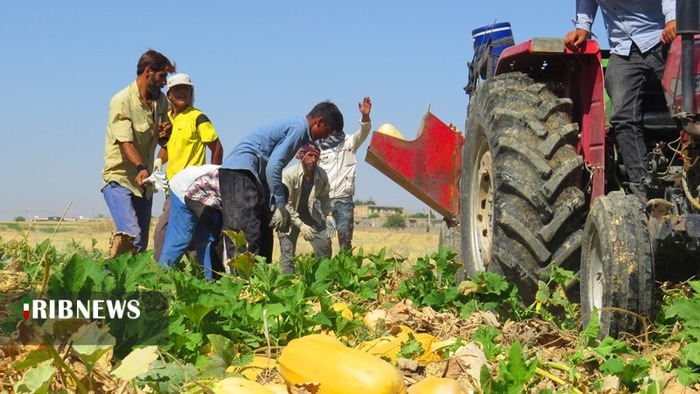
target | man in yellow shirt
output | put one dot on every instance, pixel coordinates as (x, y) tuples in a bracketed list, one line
[(137, 123), (192, 134)]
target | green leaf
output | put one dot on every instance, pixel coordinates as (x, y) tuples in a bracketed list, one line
[(695, 285), (612, 366), (91, 342), (136, 363), (169, 377), (197, 312), (237, 237), (274, 310), (223, 347), (688, 310), (542, 292), (692, 355), (37, 379), (519, 371), (411, 349), (32, 359), (634, 371), (590, 334), (243, 263), (486, 336), (687, 376), (610, 346)]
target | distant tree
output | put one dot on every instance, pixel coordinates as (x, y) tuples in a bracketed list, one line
[(20, 219), (365, 202), (419, 215), (395, 221)]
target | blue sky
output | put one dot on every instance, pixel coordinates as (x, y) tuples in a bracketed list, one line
[(252, 62)]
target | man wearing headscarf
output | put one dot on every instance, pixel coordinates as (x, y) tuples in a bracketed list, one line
[(309, 207)]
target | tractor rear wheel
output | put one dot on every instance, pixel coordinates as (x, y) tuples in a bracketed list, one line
[(617, 270), (521, 204)]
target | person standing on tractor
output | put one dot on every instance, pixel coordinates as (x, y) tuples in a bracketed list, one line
[(307, 183), (339, 161), (137, 123), (639, 33), (192, 133)]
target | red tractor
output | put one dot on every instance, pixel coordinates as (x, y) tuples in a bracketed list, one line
[(536, 180)]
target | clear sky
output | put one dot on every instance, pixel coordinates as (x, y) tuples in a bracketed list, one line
[(252, 62)]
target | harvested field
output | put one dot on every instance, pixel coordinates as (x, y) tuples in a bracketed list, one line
[(409, 243)]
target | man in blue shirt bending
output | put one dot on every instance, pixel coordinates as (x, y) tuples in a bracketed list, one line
[(639, 33), (250, 178)]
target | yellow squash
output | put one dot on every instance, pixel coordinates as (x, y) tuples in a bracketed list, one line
[(322, 359), (434, 385), (389, 347), (239, 386)]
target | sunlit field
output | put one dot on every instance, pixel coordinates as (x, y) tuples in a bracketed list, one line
[(408, 243)]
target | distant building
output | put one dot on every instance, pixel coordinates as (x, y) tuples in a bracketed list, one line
[(364, 211)]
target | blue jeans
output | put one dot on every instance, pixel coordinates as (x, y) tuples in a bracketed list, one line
[(625, 78), (343, 213), (184, 228), (131, 214)]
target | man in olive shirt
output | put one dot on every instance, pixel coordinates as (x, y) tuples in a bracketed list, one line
[(137, 123)]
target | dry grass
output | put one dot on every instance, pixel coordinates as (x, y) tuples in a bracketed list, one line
[(409, 244)]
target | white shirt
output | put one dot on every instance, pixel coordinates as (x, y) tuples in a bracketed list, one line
[(340, 162), (184, 179)]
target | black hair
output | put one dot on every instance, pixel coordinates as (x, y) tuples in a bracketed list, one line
[(330, 114), (156, 60)]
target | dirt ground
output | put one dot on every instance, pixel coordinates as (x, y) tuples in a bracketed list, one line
[(409, 243)]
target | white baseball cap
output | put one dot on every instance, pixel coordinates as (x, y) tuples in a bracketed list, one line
[(179, 79)]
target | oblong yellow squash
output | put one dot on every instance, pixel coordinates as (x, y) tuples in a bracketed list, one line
[(388, 347), (239, 386), (338, 369), (435, 385)]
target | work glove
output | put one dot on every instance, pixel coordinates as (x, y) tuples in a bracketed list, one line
[(281, 219), (158, 179), (307, 232), (331, 228)]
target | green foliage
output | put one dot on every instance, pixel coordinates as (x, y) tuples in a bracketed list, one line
[(395, 220), (551, 302), (486, 336), (433, 284), (489, 291), (37, 379), (369, 201), (20, 219), (687, 311), (411, 348), (210, 326), (420, 215), (373, 215), (513, 373)]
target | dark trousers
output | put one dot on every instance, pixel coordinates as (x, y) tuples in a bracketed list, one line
[(625, 78), (245, 207)]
